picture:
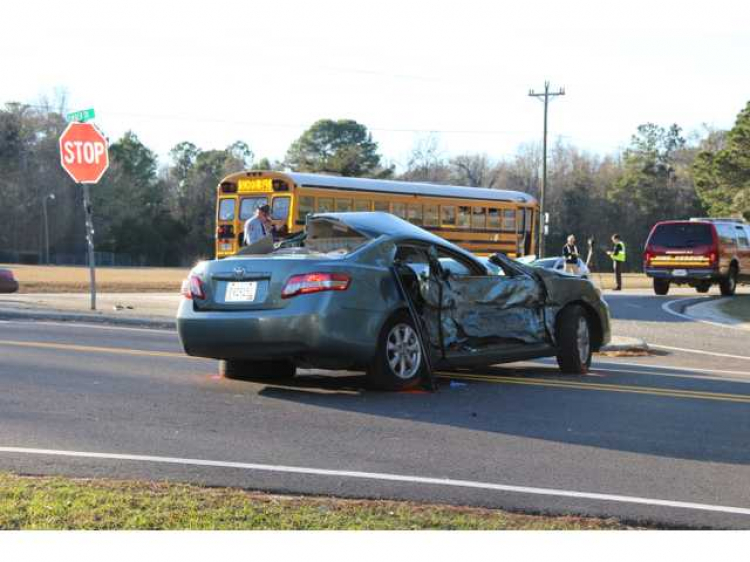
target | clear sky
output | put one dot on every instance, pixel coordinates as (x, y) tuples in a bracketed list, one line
[(217, 71)]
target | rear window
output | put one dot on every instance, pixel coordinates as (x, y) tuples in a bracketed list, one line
[(327, 236), (248, 206), (682, 235)]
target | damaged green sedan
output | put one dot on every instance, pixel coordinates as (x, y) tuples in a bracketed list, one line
[(372, 292)]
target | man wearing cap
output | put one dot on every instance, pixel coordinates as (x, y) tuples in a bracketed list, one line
[(259, 226)]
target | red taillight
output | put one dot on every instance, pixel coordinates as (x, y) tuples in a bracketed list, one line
[(314, 283), (647, 257), (225, 231), (192, 287), (712, 258)]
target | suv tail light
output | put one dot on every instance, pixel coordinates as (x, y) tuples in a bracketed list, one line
[(193, 287), (712, 257), (225, 231), (314, 283), (647, 257)]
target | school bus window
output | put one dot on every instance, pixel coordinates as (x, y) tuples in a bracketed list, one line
[(383, 206), (415, 214), (280, 208), (306, 206), (464, 216), (226, 209), (248, 206), (399, 209), (509, 220), (449, 214), (493, 219), (343, 205), (361, 205), (325, 204), (478, 218), (431, 215)]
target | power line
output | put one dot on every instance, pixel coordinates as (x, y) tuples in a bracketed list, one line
[(546, 95)]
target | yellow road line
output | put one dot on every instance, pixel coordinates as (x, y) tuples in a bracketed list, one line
[(90, 348), (654, 391)]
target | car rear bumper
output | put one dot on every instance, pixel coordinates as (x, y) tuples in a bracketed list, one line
[(691, 274), (8, 286), (321, 336)]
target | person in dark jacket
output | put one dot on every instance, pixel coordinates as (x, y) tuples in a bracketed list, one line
[(570, 253)]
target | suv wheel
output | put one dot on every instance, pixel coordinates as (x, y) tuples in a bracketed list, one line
[(661, 286), (573, 341), (399, 363), (256, 370), (728, 285)]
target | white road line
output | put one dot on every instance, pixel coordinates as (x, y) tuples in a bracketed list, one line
[(384, 477), (700, 352), (667, 307), (102, 326)]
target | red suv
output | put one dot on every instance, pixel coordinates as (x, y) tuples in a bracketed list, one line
[(698, 253)]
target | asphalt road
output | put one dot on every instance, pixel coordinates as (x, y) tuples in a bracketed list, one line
[(660, 438)]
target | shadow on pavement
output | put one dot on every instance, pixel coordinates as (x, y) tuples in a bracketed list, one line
[(664, 426)]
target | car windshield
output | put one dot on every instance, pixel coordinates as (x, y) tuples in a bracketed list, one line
[(682, 235)]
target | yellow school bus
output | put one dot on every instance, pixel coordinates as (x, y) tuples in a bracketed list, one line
[(483, 221)]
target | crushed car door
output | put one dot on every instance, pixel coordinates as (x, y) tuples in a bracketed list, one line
[(465, 309)]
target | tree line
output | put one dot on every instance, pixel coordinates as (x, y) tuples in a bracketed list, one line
[(165, 215)]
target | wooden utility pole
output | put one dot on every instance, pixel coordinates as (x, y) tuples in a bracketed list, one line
[(546, 95)]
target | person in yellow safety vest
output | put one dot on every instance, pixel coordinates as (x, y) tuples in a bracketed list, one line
[(618, 259)]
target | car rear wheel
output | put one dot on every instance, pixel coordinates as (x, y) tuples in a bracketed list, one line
[(399, 362), (573, 341), (703, 287), (728, 285), (256, 370), (661, 286)]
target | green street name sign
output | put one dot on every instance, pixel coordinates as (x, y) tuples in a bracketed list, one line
[(81, 116)]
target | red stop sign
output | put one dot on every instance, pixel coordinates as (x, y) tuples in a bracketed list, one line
[(83, 152)]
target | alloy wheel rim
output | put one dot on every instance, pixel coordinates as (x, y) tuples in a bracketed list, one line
[(403, 352), (583, 341)]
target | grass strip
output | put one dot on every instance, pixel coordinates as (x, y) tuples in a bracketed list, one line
[(56, 503)]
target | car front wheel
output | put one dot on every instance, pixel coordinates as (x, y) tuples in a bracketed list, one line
[(399, 362), (573, 341)]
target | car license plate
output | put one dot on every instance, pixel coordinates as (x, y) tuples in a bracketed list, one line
[(241, 291), (679, 272)]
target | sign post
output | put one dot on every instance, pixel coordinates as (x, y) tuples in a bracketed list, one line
[(85, 156)]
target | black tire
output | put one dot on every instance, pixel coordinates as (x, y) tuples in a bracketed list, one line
[(573, 335), (703, 287), (661, 286), (256, 370), (381, 373), (728, 285)]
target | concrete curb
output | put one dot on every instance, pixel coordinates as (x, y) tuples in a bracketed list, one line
[(709, 312), (56, 316), (625, 344), (617, 344)]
